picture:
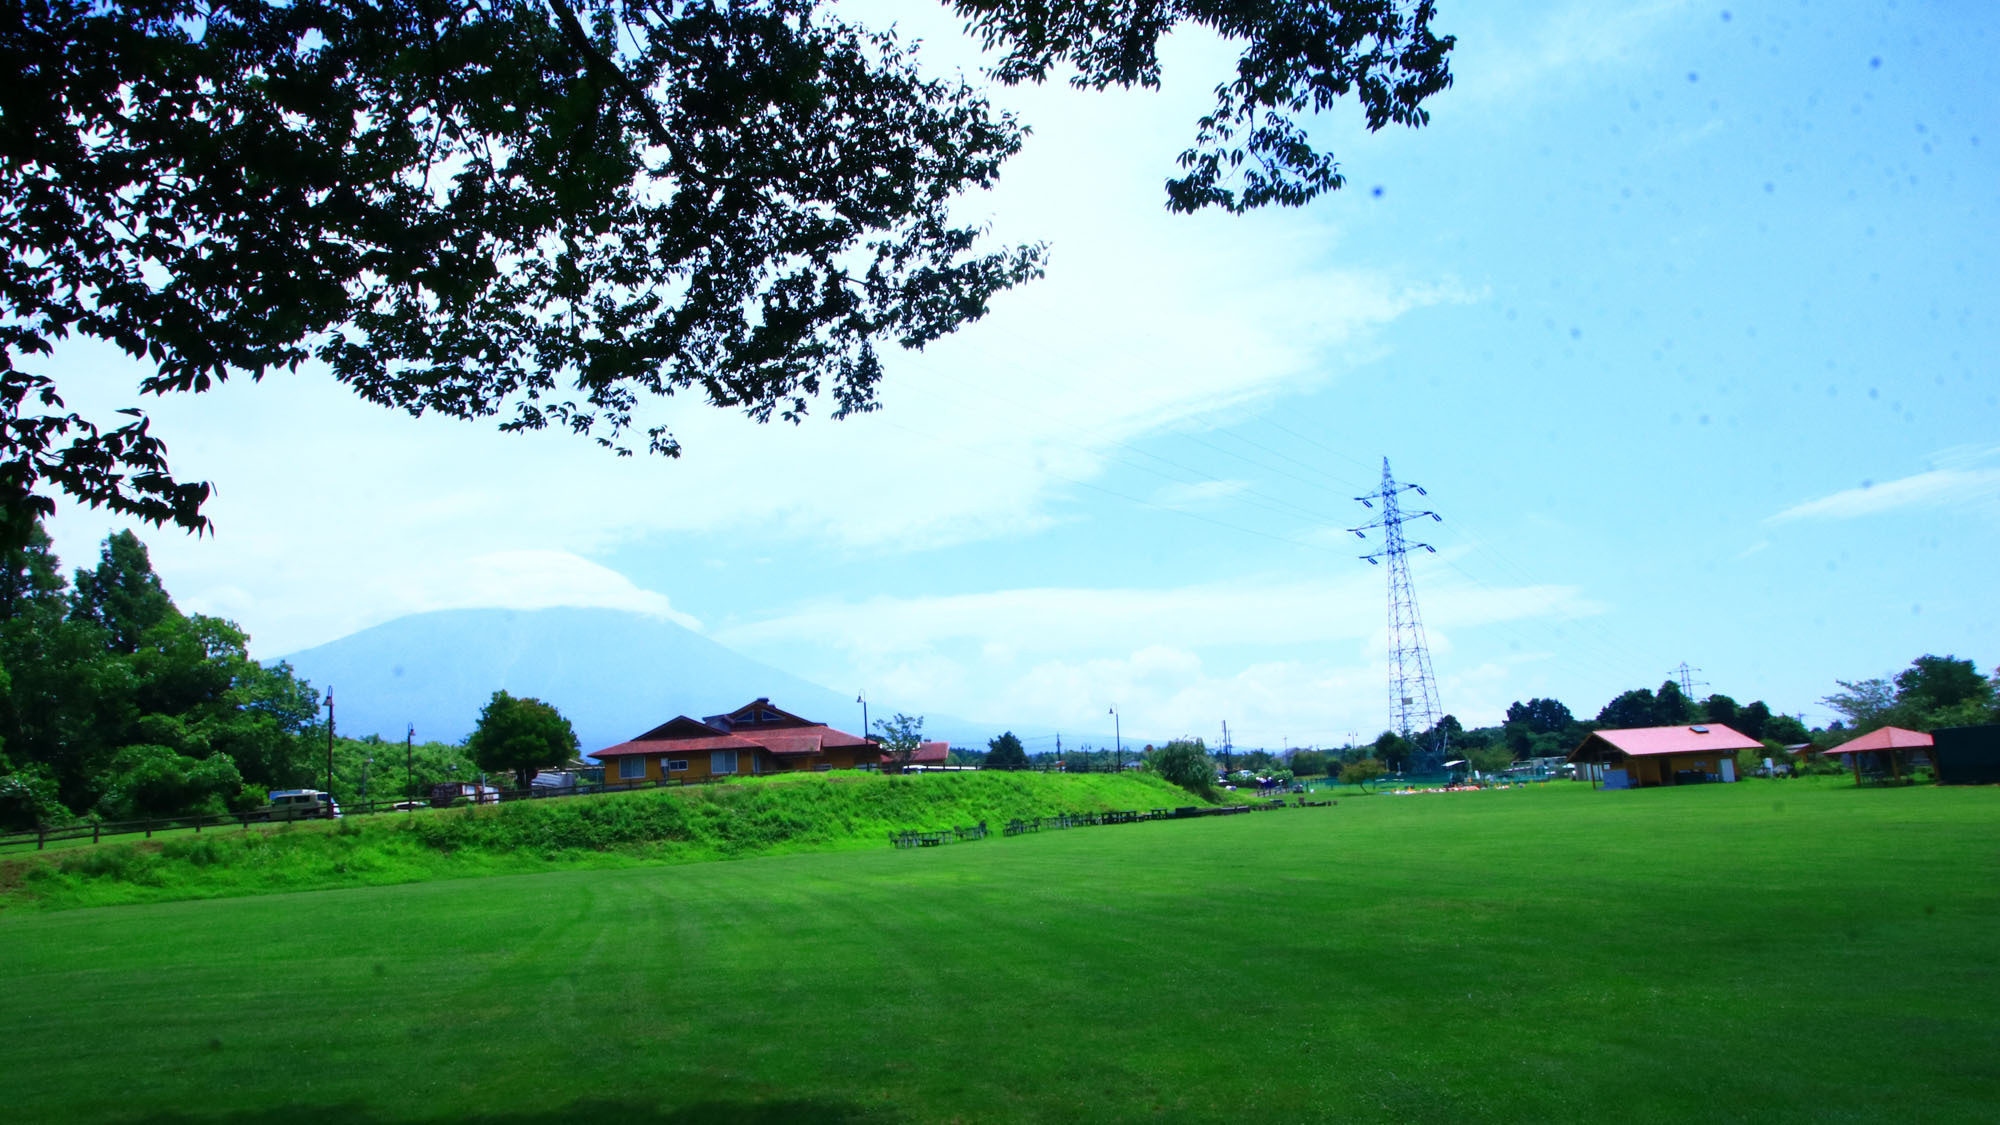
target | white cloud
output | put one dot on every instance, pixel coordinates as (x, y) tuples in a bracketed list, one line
[(1064, 655), (1199, 494), (331, 513), (1504, 60), (531, 580), (1059, 619), (1938, 488)]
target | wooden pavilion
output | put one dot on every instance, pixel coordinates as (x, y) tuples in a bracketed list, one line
[(1676, 755), (1890, 742)]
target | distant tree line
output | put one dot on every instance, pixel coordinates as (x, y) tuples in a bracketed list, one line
[(116, 705), (1934, 691)]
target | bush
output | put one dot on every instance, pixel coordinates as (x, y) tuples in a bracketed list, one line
[(1362, 772), (1187, 765), (28, 800)]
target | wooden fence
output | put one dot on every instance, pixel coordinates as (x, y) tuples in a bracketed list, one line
[(95, 831)]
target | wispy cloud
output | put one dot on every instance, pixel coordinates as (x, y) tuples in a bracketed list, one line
[(1064, 654), (1069, 619), (526, 579), (1505, 58), (533, 580), (1197, 495), (1147, 323), (1938, 488)]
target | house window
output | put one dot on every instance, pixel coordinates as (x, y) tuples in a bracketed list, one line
[(722, 761), (631, 769), (677, 765), (823, 767)]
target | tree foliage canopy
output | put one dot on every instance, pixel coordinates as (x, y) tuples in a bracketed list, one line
[(1362, 772), (1186, 763), (552, 214), (1934, 691), (1541, 716), (522, 736), (114, 703), (1005, 752), (901, 737)]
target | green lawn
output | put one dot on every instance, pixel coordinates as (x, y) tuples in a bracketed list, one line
[(1764, 951)]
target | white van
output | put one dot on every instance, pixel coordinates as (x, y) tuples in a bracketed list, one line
[(301, 804)]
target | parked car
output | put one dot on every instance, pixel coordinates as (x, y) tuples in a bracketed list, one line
[(446, 794), (301, 804)]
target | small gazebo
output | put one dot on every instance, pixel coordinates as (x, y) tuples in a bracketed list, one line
[(1886, 741)]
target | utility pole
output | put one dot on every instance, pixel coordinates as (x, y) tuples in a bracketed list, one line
[(1117, 741), (409, 766), (1059, 757), (1413, 695), (329, 743), (1225, 746)]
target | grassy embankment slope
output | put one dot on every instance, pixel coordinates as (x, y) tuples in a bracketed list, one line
[(751, 816), (1768, 951)]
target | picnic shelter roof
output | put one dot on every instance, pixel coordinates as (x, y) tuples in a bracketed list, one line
[(1646, 742), (1883, 738)]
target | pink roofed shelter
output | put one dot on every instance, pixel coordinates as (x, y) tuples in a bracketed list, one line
[(1890, 742), (1640, 757)]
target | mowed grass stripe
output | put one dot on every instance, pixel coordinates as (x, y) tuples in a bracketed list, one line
[(1775, 951)]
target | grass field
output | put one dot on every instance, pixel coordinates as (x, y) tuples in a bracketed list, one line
[(1768, 951), (747, 816)]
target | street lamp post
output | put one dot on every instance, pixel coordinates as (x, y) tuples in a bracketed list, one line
[(1118, 742), (861, 697), (409, 767), (329, 742)]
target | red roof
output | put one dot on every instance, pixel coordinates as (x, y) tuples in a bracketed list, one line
[(1884, 738), (1646, 742), (676, 746), (682, 735)]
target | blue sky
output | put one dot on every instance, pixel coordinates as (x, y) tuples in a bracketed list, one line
[(1683, 313)]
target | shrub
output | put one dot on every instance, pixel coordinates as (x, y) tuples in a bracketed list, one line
[(1187, 765), (1362, 772), (28, 799)]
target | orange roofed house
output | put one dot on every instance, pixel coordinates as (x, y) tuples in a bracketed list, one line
[(1627, 759), (756, 738)]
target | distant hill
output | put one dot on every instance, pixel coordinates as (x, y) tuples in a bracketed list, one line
[(614, 674)]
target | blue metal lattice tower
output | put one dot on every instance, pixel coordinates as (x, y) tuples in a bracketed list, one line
[(1413, 694)]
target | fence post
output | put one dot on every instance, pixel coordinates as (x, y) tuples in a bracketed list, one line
[(149, 830), (41, 836), (96, 826)]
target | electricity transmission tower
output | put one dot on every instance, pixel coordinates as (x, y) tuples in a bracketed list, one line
[(1688, 682), (1413, 694)]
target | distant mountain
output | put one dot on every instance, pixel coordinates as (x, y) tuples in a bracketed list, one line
[(613, 674)]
